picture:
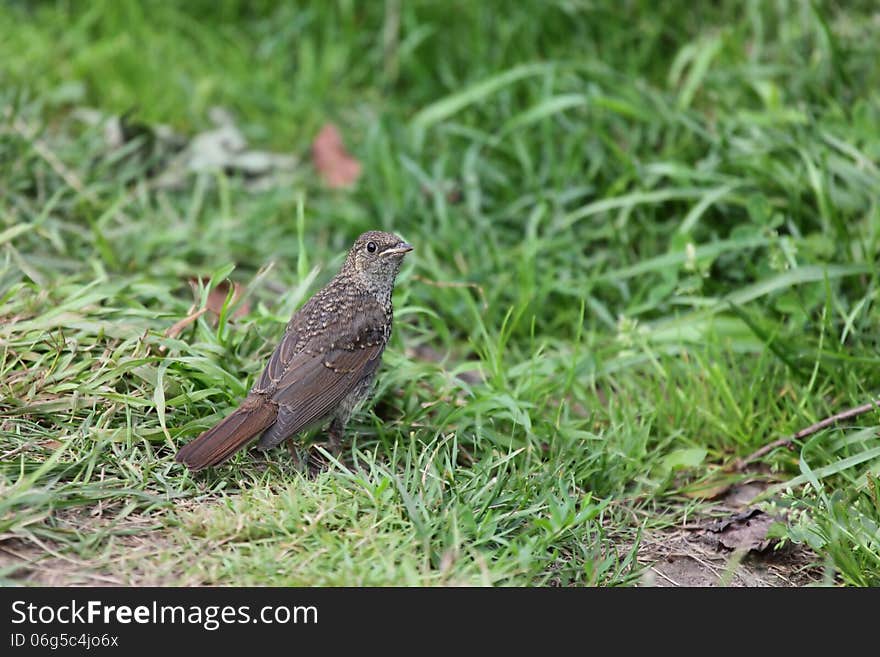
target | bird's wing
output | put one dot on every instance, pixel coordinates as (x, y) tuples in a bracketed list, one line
[(278, 361), (310, 377)]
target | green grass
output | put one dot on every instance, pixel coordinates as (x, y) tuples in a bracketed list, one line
[(651, 228)]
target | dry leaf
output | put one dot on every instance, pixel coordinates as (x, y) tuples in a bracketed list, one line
[(338, 169), (217, 297), (743, 531), (173, 157)]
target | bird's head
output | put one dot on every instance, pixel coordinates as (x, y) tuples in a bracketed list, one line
[(375, 259)]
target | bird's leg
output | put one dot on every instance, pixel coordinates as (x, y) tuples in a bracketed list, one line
[(317, 462), (298, 454)]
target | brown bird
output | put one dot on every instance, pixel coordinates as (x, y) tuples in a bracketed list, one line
[(324, 365)]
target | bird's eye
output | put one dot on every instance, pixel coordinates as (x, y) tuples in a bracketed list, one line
[(371, 247)]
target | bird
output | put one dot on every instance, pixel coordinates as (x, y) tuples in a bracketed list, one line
[(323, 367)]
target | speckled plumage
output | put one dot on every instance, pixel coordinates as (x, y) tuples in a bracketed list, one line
[(324, 365)]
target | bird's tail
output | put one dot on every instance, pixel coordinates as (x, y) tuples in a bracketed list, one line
[(222, 440)]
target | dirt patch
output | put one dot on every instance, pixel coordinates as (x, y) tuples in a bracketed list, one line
[(679, 557), (729, 544)]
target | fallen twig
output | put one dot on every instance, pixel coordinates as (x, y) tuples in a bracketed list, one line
[(809, 431), (177, 328)]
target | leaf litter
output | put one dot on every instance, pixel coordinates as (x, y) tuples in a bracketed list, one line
[(214, 304), (174, 158), (337, 168), (218, 294), (734, 547)]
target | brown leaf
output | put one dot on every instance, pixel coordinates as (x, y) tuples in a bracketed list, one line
[(217, 297), (743, 531), (338, 169)]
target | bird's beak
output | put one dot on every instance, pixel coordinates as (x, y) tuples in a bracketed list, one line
[(400, 249)]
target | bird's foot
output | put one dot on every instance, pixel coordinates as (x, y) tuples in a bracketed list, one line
[(316, 462), (305, 459)]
